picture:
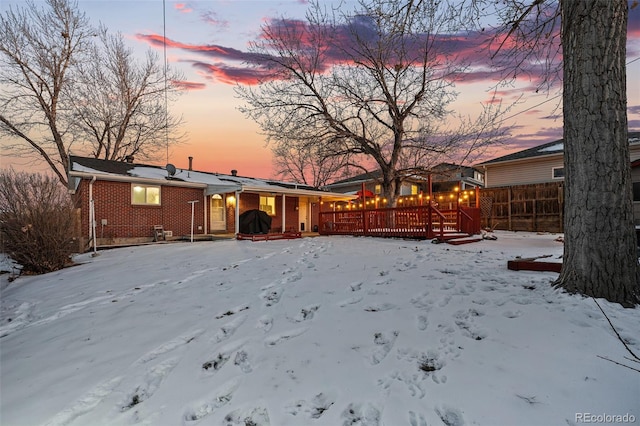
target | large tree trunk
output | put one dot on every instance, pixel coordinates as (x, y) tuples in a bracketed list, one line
[(600, 254)]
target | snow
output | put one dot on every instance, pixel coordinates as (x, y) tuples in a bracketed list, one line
[(556, 147), (314, 331)]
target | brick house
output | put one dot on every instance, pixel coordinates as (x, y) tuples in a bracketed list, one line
[(123, 202)]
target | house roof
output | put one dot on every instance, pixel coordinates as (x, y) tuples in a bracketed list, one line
[(549, 148), (83, 167)]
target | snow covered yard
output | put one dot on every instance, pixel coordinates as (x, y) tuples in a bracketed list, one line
[(317, 331)]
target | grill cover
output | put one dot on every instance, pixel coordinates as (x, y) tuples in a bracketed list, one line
[(255, 222)]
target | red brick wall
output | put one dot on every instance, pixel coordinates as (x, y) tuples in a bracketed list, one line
[(125, 220)]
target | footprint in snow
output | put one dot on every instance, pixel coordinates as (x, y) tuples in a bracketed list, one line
[(313, 409), (224, 354), (265, 323), (150, 384), (242, 361), (361, 415), (464, 319), (450, 416), (356, 286), (271, 296), (422, 322), (416, 419), (210, 403), (276, 339), (306, 313), (232, 311), (379, 307), (384, 343), (229, 328), (169, 346), (350, 301), (258, 416)]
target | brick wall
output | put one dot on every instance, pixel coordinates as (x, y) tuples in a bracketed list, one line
[(125, 220)]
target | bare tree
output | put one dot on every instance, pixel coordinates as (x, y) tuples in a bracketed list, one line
[(119, 102), (306, 163), (63, 92), (374, 84), (600, 253), (38, 46)]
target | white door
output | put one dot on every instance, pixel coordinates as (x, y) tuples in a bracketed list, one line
[(218, 222), (303, 214)]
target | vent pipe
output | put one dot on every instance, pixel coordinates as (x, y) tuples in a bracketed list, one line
[(190, 163)]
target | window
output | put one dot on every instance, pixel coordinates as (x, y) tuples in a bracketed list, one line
[(268, 205), (378, 189), (636, 191), (145, 194), (558, 173)]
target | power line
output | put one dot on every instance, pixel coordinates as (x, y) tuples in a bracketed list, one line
[(166, 107)]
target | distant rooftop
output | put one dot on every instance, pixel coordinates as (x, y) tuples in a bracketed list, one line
[(550, 148)]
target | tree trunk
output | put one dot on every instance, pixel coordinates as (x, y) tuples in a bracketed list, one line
[(600, 253)]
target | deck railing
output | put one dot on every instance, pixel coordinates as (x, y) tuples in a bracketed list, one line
[(404, 222)]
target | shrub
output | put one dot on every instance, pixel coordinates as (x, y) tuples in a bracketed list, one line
[(37, 226)]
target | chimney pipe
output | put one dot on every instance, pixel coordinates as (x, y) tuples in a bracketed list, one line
[(190, 163), (234, 172)]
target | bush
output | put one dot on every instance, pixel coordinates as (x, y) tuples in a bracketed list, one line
[(37, 227)]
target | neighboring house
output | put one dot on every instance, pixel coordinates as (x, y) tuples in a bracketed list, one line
[(524, 190), (445, 177), (129, 202), (540, 164)]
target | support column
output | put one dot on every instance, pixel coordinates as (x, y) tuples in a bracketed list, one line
[(236, 213), (284, 212)]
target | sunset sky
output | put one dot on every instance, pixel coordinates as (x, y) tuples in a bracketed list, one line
[(208, 42)]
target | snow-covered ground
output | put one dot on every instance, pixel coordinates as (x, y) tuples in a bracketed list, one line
[(315, 331)]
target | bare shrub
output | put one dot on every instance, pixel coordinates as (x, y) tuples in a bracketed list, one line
[(36, 221)]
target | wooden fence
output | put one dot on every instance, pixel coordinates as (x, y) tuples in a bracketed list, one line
[(536, 208)]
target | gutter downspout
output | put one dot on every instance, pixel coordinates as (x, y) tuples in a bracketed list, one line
[(92, 217)]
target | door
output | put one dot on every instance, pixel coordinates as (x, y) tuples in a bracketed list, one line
[(303, 214), (218, 222)]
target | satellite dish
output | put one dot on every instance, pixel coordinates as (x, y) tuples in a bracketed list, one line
[(171, 169)]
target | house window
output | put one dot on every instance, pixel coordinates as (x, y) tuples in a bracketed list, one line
[(268, 204), (558, 173), (145, 194), (636, 191), (378, 189)]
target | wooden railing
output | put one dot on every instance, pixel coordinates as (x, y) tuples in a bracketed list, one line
[(404, 222)]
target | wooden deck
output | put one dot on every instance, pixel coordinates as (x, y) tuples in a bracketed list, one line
[(419, 222)]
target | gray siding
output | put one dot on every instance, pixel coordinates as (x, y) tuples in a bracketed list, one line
[(531, 171)]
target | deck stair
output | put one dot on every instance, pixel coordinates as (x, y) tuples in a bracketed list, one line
[(455, 238)]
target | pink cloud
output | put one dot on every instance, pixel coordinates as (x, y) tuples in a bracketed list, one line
[(188, 85), (183, 7)]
